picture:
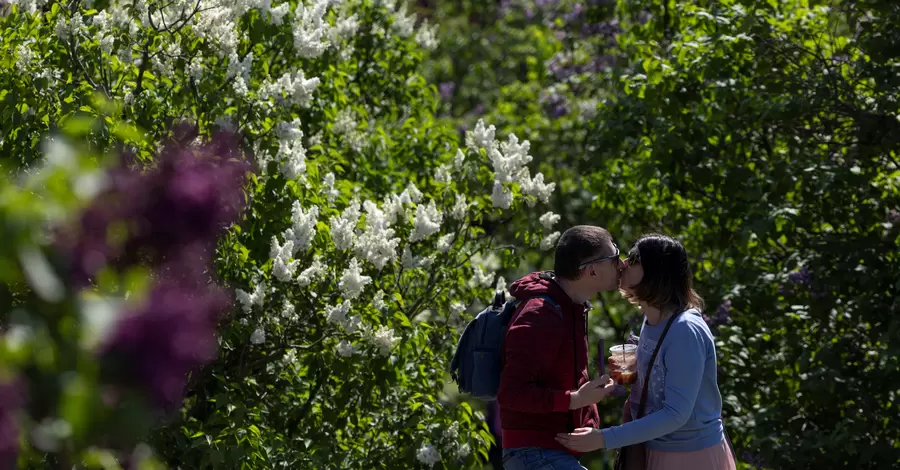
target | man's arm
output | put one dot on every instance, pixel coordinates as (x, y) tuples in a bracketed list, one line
[(532, 344)]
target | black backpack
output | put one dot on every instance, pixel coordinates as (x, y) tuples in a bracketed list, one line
[(478, 359)]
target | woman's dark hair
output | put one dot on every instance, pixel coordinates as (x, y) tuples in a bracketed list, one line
[(668, 280)]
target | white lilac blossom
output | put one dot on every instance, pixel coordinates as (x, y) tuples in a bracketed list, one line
[(548, 220), (101, 21), (290, 88), (501, 197), (120, 18), (49, 434), (31, 6), (283, 267), (328, 183), (316, 139), (537, 188), (393, 208), (303, 227), (239, 86), (460, 207), (345, 349), (26, 58), (338, 313), (225, 123), (428, 455), (501, 284), (442, 174), (452, 432), (216, 23), (444, 243), (463, 451), (384, 340), (480, 277), (481, 137), (510, 159), (345, 28), (407, 260), (427, 222), (413, 193), (238, 67), (426, 36), (549, 241), (343, 228), (107, 43), (403, 24), (313, 272), (491, 262), (456, 310), (278, 13), (459, 159), (377, 244), (344, 122), (353, 324), (74, 28), (288, 311), (255, 298), (292, 156), (352, 281), (310, 28), (289, 131), (427, 261), (258, 336), (290, 357), (378, 301)]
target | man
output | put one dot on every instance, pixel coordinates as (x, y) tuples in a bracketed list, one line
[(544, 386)]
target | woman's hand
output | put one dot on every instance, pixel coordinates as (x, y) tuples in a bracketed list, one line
[(582, 440)]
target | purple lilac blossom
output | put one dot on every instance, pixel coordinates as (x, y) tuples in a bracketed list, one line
[(173, 333), (12, 397), (800, 277), (893, 216), (446, 90), (174, 213), (556, 105), (188, 198)]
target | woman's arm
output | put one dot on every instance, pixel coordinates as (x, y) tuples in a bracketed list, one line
[(684, 361)]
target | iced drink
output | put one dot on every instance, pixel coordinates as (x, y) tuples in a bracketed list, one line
[(623, 363)]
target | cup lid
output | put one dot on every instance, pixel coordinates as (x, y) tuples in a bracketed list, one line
[(620, 348)]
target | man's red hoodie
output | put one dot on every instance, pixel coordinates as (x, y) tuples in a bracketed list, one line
[(545, 357)]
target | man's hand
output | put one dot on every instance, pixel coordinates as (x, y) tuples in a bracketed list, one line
[(582, 440), (591, 392)]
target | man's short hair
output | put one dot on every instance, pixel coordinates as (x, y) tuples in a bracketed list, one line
[(577, 245)]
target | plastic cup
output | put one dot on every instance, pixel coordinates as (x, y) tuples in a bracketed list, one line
[(623, 363)]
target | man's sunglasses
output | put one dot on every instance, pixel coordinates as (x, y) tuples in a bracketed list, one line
[(602, 258)]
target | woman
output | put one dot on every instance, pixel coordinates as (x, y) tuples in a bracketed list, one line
[(681, 424)]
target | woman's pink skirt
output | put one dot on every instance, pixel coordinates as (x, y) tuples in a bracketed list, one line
[(717, 457)]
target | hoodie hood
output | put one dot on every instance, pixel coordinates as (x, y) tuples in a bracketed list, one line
[(543, 283)]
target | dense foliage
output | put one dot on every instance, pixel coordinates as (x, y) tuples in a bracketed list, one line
[(766, 135)]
